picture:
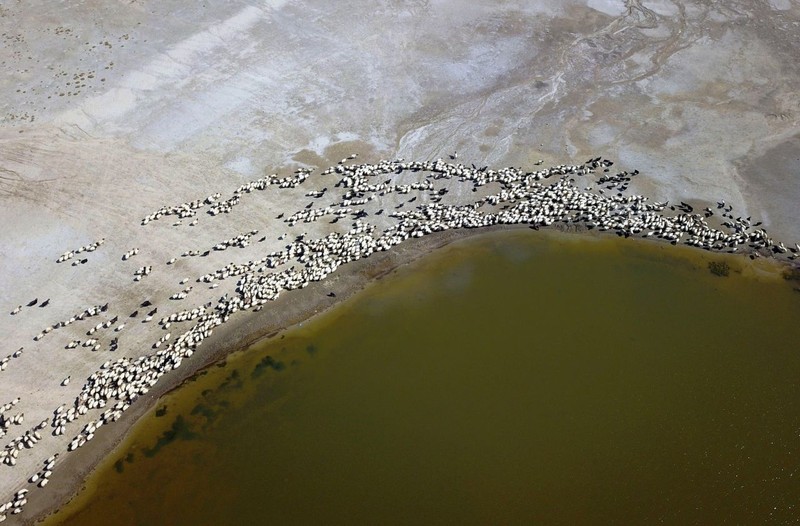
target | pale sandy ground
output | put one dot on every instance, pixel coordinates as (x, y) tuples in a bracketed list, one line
[(165, 102)]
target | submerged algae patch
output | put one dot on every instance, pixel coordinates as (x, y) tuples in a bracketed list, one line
[(180, 430), (268, 362), (719, 268)]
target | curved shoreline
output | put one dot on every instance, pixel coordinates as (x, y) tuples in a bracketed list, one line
[(476, 201), (300, 306), (297, 308)]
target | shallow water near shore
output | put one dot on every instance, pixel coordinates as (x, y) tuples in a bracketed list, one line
[(512, 378)]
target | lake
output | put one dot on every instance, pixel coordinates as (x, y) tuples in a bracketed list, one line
[(515, 378)]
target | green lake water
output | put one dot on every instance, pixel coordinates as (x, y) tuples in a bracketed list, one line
[(515, 378)]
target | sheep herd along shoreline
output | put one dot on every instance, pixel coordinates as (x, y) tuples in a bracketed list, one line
[(357, 209)]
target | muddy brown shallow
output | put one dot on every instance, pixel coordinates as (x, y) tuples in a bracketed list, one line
[(509, 378)]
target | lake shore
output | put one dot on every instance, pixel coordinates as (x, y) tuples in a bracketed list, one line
[(299, 306), (290, 309), (284, 265)]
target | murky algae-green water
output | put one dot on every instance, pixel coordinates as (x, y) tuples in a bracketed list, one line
[(516, 378)]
